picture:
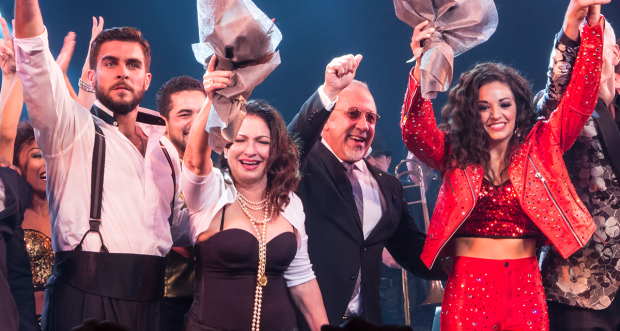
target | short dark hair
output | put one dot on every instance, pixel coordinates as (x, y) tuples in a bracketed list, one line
[(125, 33), (175, 85), (24, 135), (282, 166)]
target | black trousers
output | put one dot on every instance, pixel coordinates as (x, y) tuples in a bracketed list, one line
[(173, 312), (568, 318), (125, 289)]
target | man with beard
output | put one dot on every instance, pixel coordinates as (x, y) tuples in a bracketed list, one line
[(353, 210), (112, 179), (178, 101)]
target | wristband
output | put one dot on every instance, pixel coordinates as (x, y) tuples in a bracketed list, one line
[(85, 86)]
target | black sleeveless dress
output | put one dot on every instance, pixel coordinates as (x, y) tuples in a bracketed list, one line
[(227, 264)]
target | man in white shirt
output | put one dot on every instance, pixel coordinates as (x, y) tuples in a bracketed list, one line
[(112, 179), (353, 210), (179, 100)]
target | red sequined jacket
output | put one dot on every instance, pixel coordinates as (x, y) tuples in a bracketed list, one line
[(537, 170)]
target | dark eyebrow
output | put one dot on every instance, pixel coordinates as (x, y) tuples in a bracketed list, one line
[(109, 57), (507, 98)]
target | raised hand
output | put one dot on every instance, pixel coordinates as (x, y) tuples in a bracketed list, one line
[(420, 32), (7, 54), (339, 73), (97, 28), (215, 79), (64, 58), (577, 12)]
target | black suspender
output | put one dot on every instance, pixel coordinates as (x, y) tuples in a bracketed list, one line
[(174, 182), (96, 188)]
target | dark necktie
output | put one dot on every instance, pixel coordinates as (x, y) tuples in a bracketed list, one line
[(359, 203)]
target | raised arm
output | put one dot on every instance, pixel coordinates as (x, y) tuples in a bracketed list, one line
[(56, 116), (308, 123), (28, 19), (418, 125), (86, 95), (11, 98), (564, 54), (197, 156), (579, 100)]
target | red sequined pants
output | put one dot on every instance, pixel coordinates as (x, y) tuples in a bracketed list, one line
[(486, 294)]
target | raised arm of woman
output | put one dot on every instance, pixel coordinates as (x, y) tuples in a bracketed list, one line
[(11, 97), (418, 125), (86, 97), (197, 155)]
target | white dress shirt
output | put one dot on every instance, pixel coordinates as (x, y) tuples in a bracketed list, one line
[(137, 190), (205, 196), (374, 203)]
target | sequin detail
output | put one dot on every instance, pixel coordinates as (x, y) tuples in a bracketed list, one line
[(497, 214), (41, 255), (486, 294)]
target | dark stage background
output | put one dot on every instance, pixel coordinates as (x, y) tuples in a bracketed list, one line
[(314, 32)]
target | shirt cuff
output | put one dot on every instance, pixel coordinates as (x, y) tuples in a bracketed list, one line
[(566, 41), (328, 104), (32, 44)]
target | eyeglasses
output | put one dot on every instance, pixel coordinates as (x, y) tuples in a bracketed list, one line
[(355, 114)]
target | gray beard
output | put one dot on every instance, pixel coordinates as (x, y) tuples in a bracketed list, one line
[(354, 154)]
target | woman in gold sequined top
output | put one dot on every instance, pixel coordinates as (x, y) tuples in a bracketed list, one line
[(27, 157)]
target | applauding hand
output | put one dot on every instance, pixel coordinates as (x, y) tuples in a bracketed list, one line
[(7, 54)]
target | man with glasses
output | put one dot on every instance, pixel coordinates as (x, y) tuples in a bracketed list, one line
[(353, 210)]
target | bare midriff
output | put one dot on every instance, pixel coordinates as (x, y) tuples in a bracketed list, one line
[(495, 249)]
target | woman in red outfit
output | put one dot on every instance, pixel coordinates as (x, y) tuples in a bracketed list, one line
[(505, 184)]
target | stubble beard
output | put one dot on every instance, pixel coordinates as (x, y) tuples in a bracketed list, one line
[(121, 108)]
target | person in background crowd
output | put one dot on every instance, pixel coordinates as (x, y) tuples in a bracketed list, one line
[(582, 291), (353, 210), (503, 183), (179, 100), (617, 73), (380, 156), (112, 179)]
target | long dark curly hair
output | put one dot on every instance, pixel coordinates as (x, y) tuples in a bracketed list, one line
[(282, 166), (468, 140)]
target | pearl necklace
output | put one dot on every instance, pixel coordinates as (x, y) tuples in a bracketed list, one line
[(261, 279)]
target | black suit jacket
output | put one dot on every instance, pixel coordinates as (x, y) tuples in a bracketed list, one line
[(17, 306), (336, 241)]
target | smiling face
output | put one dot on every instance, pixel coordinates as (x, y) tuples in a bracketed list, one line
[(32, 166), (120, 78), (185, 105), (249, 152), (498, 110), (350, 139)]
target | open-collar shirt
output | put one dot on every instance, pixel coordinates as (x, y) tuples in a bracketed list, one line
[(137, 190)]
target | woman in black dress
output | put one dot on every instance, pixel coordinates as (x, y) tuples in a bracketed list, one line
[(248, 226)]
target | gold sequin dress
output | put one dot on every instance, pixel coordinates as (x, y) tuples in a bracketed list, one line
[(41, 256)]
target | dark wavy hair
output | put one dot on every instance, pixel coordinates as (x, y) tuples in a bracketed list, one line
[(468, 140), (24, 135), (282, 166)]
